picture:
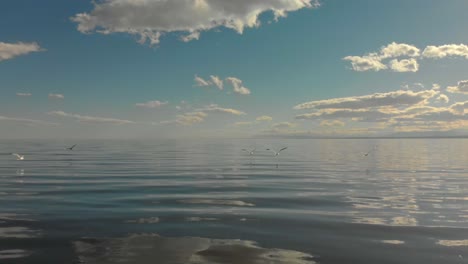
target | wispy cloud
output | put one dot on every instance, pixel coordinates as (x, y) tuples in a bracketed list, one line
[(91, 119), (23, 94), (284, 125), (264, 118), (56, 96), (238, 86), (12, 50), (26, 121), (461, 87), (200, 82), (217, 109), (152, 104), (152, 19), (332, 123), (395, 98), (217, 81), (187, 119)]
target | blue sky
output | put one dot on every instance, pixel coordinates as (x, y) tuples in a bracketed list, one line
[(78, 69)]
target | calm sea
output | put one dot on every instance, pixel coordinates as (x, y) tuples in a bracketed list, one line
[(207, 201)]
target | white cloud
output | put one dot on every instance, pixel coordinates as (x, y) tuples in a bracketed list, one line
[(23, 94), (150, 19), (450, 50), (188, 119), (405, 65), (366, 63), (394, 50), (239, 124), (435, 86), (264, 118), (11, 50), (200, 82), (25, 120), (374, 61), (56, 96), (362, 115), (395, 98), (152, 104), (91, 119), (238, 86), (284, 125), (217, 109), (443, 98), (217, 81), (332, 123), (381, 60), (462, 87)]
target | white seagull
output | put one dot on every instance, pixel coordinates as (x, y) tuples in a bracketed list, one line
[(277, 152), (18, 156), (251, 152)]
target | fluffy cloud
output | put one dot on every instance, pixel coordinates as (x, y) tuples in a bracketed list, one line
[(91, 119), (23, 94), (11, 50), (374, 61), (264, 118), (56, 96), (394, 50), (395, 98), (450, 50), (151, 104), (238, 86), (405, 65), (26, 121), (366, 63), (150, 19), (377, 61), (217, 109), (462, 87)]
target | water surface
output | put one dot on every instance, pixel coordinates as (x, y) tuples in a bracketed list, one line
[(206, 201)]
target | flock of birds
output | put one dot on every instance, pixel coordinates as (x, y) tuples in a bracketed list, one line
[(21, 157), (250, 151)]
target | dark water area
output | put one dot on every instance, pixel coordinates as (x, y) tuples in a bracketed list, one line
[(207, 201)]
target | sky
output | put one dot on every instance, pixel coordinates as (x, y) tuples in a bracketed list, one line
[(244, 68)]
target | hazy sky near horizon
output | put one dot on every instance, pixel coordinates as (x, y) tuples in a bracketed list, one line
[(183, 68)]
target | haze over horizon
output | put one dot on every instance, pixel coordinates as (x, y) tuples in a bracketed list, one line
[(204, 68)]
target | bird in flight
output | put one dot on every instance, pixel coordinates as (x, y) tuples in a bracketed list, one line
[(71, 148), (368, 152), (277, 152), (251, 152), (18, 156)]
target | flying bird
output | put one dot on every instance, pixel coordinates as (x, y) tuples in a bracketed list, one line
[(277, 152), (18, 156), (368, 152), (251, 152), (71, 148)]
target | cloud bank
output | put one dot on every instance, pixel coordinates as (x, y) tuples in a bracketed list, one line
[(151, 19)]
